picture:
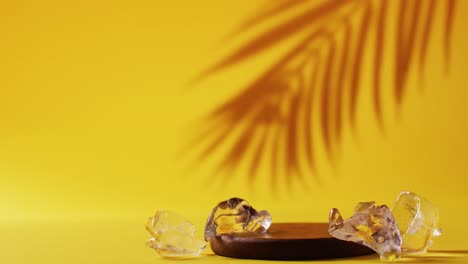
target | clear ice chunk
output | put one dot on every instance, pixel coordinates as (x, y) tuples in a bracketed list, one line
[(418, 222), (236, 216), (372, 226), (173, 236)]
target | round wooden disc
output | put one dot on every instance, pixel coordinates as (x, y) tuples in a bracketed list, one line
[(287, 241)]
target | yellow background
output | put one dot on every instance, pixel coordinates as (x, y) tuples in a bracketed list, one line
[(96, 106)]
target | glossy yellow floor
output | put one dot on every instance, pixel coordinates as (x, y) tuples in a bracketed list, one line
[(123, 242)]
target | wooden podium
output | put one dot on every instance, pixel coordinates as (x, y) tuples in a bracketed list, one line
[(287, 241)]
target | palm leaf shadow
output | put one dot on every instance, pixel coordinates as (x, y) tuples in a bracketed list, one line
[(321, 73)]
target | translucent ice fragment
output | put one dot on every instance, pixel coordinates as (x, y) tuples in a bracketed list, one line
[(236, 216), (173, 236), (372, 226), (417, 220)]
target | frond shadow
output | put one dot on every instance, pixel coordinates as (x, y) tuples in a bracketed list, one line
[(321, 74)]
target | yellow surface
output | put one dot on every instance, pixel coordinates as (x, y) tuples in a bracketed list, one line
[(96, 105)]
